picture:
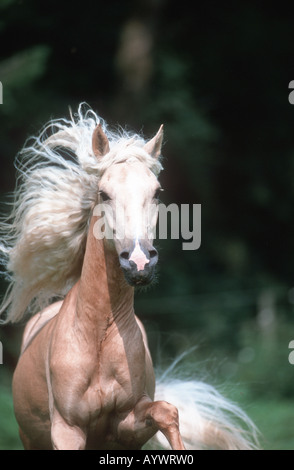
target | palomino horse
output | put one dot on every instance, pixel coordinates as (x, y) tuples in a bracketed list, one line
[(84, 379)]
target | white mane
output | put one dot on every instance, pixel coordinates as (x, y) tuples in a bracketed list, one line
[(43, 239)]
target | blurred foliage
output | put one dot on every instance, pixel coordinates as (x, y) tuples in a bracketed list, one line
[(217, 77), (19, 74), (8, 426)]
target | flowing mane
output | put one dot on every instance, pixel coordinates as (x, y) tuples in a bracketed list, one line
[(43, 239)]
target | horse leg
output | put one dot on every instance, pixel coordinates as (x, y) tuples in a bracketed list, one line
[(146, 419), (25, 440), (165, 417), (65, 436)]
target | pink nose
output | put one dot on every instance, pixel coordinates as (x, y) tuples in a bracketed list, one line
[(138, 262), (138, 257)]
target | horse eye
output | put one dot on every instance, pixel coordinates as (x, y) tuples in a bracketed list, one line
[(157, 193), (104, 196)]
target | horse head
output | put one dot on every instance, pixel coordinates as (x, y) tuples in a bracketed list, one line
[(128, 199)]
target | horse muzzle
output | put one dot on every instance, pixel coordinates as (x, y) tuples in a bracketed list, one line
[(138, 260)]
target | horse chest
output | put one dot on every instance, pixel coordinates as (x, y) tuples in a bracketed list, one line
[(121, 371), (110, 379)]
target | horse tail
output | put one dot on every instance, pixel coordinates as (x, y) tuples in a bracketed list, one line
[(207, 420)]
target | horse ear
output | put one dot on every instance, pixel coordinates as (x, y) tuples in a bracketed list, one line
[(153, 147), (100, 142)]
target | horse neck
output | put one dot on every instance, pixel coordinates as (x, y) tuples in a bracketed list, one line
[(104, 297)]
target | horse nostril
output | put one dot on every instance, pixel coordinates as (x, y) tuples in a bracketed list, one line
[(124, 255), (153, 257), (139, 259), (124, 259), (153, 253)]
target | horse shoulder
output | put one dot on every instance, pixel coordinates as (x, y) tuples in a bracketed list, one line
[(150, 377), (37, 322)]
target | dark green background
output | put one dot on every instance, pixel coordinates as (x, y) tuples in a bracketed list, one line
[(217, 76)]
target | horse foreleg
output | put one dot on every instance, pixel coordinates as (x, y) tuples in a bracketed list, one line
[(146, 419), (27, 444), (65, 436), (165, 417)]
